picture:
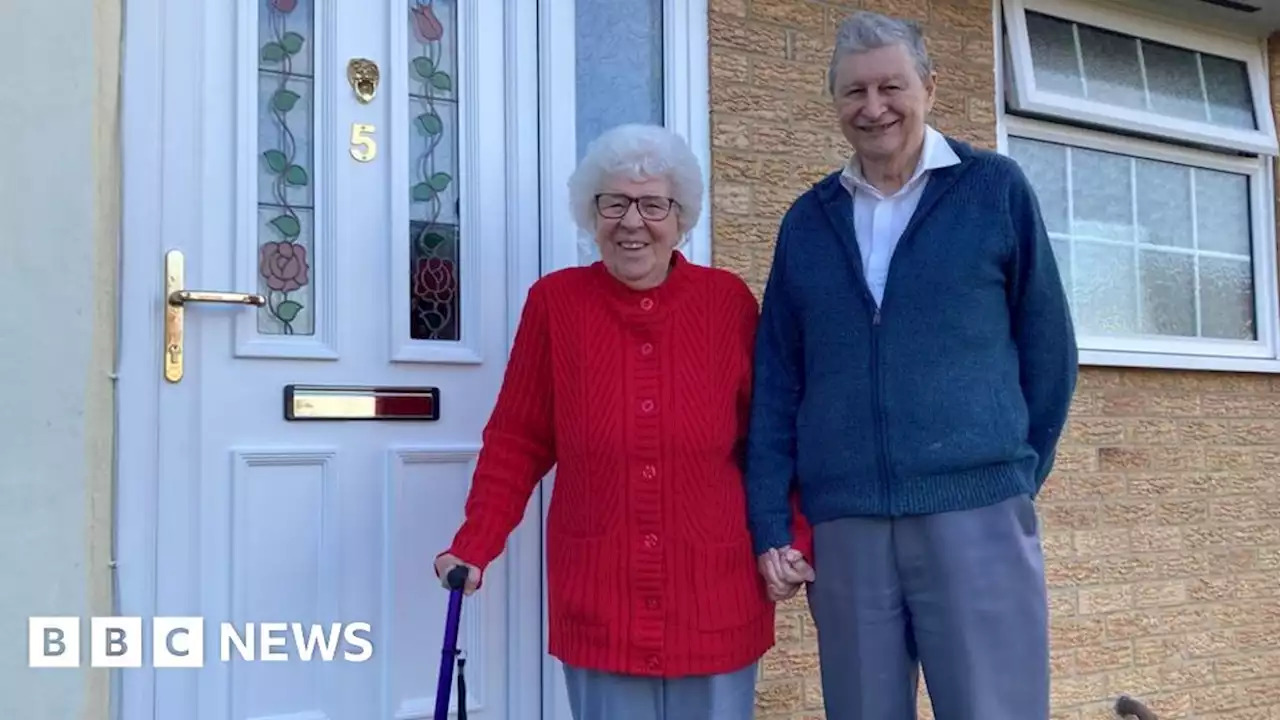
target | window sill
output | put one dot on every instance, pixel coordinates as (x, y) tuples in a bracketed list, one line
[(1162, 361)]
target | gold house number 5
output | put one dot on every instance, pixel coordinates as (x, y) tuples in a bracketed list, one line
[(363, 147)]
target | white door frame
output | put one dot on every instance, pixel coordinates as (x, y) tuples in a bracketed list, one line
[(151, 212), (687, 98), (525, 550)]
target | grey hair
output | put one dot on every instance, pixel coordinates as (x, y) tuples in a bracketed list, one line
[(637, 152), (865, 31)]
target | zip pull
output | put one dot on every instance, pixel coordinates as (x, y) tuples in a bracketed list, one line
[(875, 319)]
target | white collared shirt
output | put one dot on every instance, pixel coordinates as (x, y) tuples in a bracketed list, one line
[(878, 221)]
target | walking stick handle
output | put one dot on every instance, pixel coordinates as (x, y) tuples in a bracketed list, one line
[(457, 577)]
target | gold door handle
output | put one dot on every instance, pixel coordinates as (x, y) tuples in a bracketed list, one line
[(176, 298)]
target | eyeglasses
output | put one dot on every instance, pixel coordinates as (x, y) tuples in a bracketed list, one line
[(615, 206)]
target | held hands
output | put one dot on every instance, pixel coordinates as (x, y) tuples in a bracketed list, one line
[(447, 562), (784, 570)]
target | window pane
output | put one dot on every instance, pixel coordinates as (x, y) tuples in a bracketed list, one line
[(286, 165), (1227, 84), (1062, 255), (1046, 167), (1110, 65), (1164, 204), (1053, 55), (1168, 285), (1169, 255), (1106, 302), (1124, 71), (434, 235), (619, 46), (1222, 212), (1226, 288), (1102, 196), (619, 65), (1173, 79)]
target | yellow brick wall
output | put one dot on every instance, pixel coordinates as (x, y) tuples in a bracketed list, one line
[(1162, 522)]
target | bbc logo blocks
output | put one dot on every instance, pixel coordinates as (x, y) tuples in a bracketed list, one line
[(53, 642), (177, 642), (115, 642)]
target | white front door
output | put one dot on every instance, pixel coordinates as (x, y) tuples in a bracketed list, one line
[(262, 478)]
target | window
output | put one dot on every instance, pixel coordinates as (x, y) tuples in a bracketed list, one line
[(608, 62), (1150, 148), (619, 73), (618, 65)]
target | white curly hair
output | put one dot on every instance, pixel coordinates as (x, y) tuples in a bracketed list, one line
[(637, 152)]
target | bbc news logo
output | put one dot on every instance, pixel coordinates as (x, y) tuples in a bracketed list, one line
[(179, 642)]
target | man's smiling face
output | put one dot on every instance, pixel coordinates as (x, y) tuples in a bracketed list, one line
[(881, 102)]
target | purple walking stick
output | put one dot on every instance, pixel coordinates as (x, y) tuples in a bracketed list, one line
[(457, 579)]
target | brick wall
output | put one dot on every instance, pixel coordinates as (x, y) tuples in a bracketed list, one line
[(1162, 522)]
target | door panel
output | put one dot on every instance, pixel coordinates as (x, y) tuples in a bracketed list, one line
[(387, 263)]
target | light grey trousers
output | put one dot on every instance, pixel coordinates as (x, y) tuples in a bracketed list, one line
[(962, 594), (597, 695)]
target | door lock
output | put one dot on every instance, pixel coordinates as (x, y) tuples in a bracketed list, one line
[(176, 297)]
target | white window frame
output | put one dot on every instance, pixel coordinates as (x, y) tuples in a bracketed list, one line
[(1170, 141), (686, 58), (1024, 96)]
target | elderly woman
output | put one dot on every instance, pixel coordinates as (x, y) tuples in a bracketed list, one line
[(633, 377)]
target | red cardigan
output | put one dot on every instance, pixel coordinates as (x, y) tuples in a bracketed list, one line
[(640, 400)]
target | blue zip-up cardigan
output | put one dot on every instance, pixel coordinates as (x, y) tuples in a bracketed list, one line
[(951, 395)]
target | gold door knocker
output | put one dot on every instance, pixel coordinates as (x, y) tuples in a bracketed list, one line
[(363, 76)]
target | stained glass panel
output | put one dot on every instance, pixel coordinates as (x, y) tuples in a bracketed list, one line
[(286, 197), (434, 237)]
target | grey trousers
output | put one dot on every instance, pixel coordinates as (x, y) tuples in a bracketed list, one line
[(605, 696), (961, 595)]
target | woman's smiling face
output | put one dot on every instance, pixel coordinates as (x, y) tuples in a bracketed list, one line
[(636, 247)]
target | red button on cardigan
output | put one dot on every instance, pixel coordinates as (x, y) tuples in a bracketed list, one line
[(648, 572)]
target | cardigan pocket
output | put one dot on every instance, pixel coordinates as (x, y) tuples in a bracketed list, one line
[(581, 579), (727, 590)]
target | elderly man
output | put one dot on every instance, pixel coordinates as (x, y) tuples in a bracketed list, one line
[(914, 366)]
